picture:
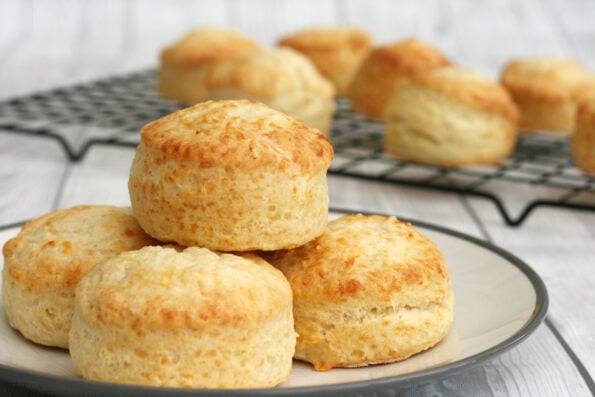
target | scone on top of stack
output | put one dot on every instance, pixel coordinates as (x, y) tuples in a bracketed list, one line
[(583, 138), (45, 261), (168, 316), (547, 91), (370, 290), (281, 78), (186, 63), (336, 51), (374, 82), (231, 175), (452, 117)]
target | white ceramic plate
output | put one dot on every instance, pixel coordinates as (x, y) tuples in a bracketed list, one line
[(499, 301)]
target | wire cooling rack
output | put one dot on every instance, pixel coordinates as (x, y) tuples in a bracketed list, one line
[(111, 112)]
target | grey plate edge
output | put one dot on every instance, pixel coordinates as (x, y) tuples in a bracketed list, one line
[(61, 386)]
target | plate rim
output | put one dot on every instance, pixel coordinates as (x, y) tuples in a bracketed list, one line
[(64, 386)]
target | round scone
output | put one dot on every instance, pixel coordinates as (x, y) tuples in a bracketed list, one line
[(450, 117), (547, 91), (46, 260), (283, 79), (583, 138), (182, 76), (167, 316), (374, 82), (336, 51), (231, 176), (371, 289)]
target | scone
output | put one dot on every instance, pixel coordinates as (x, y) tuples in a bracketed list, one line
[(583, 138), (374, 82), (46, 260), (186, 63), (547, 91), (371, 289), (163, 316), (336, 51), (231, 176), (450, 117), (283, 79)]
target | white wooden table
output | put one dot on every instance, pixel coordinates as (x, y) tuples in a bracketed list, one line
[(49, 44)]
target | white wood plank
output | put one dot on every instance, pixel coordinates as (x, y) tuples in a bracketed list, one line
[(31, 170), (560, 245)]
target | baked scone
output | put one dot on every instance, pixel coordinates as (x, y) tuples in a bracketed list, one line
[(185, 64), (451, 117), (336, 51), (283, 79), (164, 316), (48, 257), (547, 91), (371, 289), (583, 137), (374, 82), (231, 176)]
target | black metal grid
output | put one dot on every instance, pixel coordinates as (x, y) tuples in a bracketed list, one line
[(111, 112)]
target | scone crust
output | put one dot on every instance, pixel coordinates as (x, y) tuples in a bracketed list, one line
[(271, 72), (171, 287), (372, 289), (237, 134), (452, 117), (471, 88), (208, 45), (168, 316), (231, 176), (46, 260), (336, 51), (374, 82), (583, 137), (547, 91)]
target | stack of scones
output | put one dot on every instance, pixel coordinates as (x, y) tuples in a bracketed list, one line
[(226, 267)]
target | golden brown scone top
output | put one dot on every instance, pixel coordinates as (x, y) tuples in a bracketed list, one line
[(351, 260), (208, 45), (238, 133), (271, 72), (408, 56), (548, 79), (171, 287), (327, 39), (471, 88), (60, 247)]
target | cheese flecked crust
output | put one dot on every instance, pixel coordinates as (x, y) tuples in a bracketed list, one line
[(46, 260), (168, 316), (371, 289), (231, 176)]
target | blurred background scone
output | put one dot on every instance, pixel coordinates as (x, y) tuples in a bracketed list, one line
[(231, 176), (547, 91), (450, 116), (336, 51), (371, 289), (186, 63), (283, 79), (164, 316), (46, 260), (583, 137), (374, 82)]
